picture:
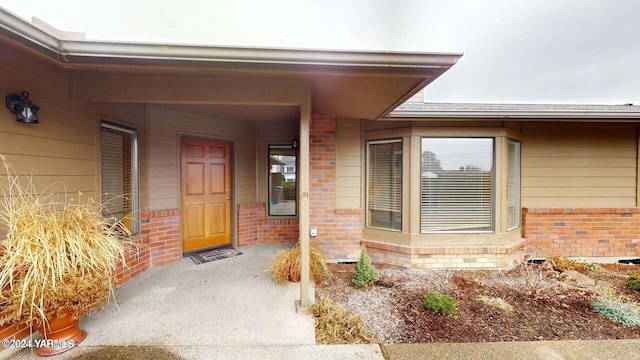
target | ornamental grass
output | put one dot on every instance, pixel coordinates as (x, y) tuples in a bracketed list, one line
[(286, 266), (334, 325), (58, 253)]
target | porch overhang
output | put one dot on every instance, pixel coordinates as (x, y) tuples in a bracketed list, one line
[(354, 84), (235, 81)]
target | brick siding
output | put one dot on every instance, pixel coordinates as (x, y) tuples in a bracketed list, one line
[(582, 232), (438, 257), (255, 228), (137, 259), (161, 228), (339, 230)]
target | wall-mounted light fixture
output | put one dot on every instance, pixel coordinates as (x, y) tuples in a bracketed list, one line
[(25, 110), (294, 143)]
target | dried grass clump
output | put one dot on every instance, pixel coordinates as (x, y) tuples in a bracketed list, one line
[(532, 275), (335, 326), (57, 253), (562, 264), (496, 302), (286, 266)]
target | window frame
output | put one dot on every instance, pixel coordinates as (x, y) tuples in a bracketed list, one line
[(494, 178), (269, 181), (411, 133), (368, 189), (135, 201), (516, 186)]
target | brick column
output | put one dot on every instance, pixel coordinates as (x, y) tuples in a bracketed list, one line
[(339, 230)]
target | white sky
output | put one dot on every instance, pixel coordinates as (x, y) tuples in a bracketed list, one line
[(515, 51)]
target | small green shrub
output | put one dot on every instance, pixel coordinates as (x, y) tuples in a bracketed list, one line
[(618, 310), (365, 274), (633, 281), (440, 303), (595, 267)]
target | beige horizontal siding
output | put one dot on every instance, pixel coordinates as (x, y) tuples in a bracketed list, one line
[(348, 164), (164, 127), (544, 182), (45, 147), (579, 165), (63, 149)]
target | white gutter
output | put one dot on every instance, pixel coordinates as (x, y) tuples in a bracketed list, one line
[(82, 51), (614, 113), (24, 30)]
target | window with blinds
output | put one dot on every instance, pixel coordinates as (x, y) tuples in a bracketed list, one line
[(118, 173), (457, 185), (384, 184), (513, 185)]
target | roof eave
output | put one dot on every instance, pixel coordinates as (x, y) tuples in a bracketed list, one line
[(82, 50), (69, 51), (537, 115), (27, 33), (395, 76)]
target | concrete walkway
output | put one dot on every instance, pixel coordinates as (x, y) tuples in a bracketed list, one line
[(232, 309), (534, 350), (224, 302), (228, 302)]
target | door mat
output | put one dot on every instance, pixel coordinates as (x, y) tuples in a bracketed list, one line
[(213, 254)]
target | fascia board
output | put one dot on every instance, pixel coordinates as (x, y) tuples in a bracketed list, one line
[(555, 115)]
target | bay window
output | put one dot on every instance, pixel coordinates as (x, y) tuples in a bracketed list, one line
[(442, 185), (457, 185)]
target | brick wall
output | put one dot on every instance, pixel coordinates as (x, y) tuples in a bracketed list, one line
[(435, 257), (137, 258), (339, 230), (255, 228), (161, 228), (582, 231)]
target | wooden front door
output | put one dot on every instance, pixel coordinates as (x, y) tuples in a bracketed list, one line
[(206, 194)]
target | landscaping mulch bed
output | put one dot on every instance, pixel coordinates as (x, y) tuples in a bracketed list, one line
[(545, 307)]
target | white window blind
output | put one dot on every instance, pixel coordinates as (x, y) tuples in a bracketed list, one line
[(513, 185), (457, 180), (384, 184), (118, 173)]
